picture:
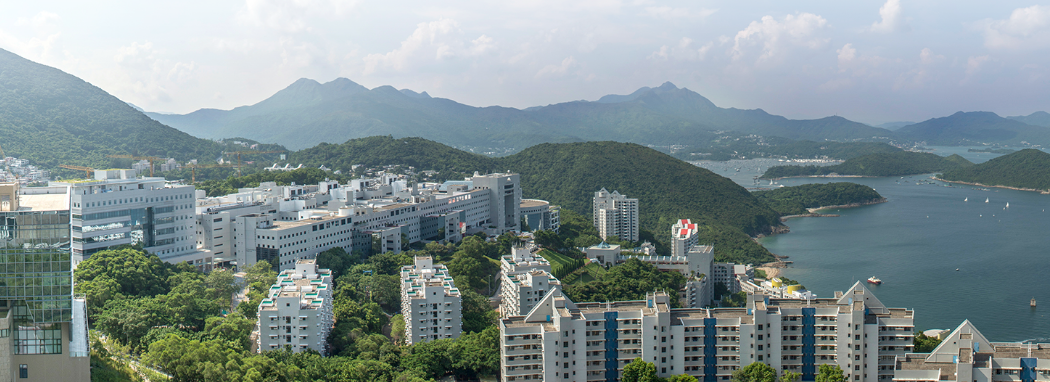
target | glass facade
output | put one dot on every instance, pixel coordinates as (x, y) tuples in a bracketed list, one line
[(35, 266)]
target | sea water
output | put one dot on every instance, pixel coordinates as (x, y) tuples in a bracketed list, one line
[(917, 240)]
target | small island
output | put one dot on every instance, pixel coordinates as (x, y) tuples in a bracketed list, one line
[(879, 164), (1027, 170), (804, 200)]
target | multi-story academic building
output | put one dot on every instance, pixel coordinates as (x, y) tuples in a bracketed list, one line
[(615, 215), (298, 311), (430, 302), (559, 340), (282, 224), (43, 325), (540, 215), (684, 235), (117, 208)]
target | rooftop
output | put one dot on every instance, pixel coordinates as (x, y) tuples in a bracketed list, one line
[(43, 202)]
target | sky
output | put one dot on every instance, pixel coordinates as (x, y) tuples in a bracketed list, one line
[(872, 61)]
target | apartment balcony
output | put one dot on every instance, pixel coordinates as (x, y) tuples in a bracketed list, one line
[(521, 361), (519, 351), (521, 372)]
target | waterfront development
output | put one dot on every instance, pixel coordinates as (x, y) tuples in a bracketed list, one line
[(916, 242)]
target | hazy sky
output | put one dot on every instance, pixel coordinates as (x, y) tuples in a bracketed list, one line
[(872, 61)]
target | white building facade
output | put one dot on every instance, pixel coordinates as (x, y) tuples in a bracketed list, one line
[(684, 235), (298, 311), (520, 292), (117, 208), (430, 302), (564, 341), (616, 215)]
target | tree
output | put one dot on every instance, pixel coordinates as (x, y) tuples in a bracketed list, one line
[(337, 260), (791, 377), (924, 344), (477, 314), (120, 272), (397, 329), (682, 378), (830, 373), (640, 371), (755, 372)]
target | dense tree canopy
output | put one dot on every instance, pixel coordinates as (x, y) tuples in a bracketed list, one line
[(1024, 169), (879, 164), (796, 200)]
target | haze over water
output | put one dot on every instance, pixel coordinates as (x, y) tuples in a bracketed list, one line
[(915, 242)]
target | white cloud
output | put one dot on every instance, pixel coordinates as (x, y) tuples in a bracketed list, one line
[(684, 50), (772, 35), (559, 69), (921, 73), (669, 13), (292, 15), (431, 42), (846, 56), (974, 64), (41, 46), (1027, 28), (143, 74), (927, 57), (892, 20)]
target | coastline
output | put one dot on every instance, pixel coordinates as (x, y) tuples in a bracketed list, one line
[(1044, 192), (772, 269), (821, 176)]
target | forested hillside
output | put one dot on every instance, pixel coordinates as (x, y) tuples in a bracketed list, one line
[(568, 175), (1029, 168), (50, 118), (796, 200), (880, 164)]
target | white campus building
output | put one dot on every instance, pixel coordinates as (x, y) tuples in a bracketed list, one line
[(541, 215), (522, 259), (298, 310), (430, 302), (559, 340), (282, 224), (616, 215), (697, 265), (118, 208)]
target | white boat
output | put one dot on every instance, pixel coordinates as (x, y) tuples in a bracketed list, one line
[(966, 199), (874, 280), (1007, 204), (986, 200)]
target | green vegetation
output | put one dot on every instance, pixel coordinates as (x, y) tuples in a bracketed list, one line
[(641, 371), (882, 164), (924, 344), (830, 373), (586, 273), (1023, 169), (628, 281), (755, 372), (561, 265), (795, 200), (568, 175), (230, 185), (170, 316), (969, 128), (51, 118)]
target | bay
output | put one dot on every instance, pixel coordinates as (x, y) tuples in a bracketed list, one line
[(915, 242)]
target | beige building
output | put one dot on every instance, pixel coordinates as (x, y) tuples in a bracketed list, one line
[(430, 302), (298, 311)]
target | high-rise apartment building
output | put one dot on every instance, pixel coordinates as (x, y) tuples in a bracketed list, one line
[(966, 355), (298, 311), (615, 215), (684, 235), (559, 340), (430, 302), (520, 292), (118, 208), (43, 326)]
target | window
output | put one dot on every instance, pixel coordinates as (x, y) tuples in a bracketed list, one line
[(23, 371)]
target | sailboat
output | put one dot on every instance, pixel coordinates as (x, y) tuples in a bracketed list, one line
[(1007, 204), (986, 200), (966, 199)]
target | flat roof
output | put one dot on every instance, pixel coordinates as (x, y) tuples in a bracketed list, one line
[(533, 203), (43, 202)]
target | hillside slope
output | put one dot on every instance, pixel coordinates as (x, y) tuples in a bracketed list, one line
[(964, 128), (51, 118), (1039, 118), (1029, 168)]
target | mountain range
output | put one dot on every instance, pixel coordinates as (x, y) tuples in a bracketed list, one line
[(342, 109)]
